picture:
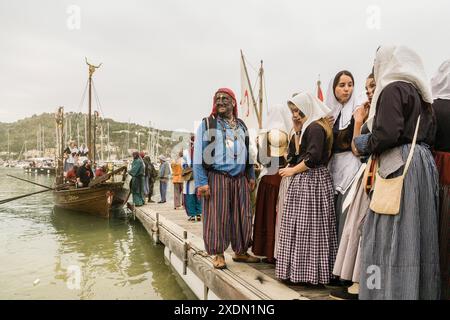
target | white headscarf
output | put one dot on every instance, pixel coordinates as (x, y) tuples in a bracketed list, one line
[(311, 106), (345, 110), (278, 118), (440, 83), (398, 63)]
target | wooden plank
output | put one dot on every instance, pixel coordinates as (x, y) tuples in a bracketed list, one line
[(238, 281)]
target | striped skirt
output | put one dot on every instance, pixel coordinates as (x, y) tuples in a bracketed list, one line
[(227, 215), (308, 243), (400, 253)]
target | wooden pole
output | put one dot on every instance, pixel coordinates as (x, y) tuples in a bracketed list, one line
[(37, 184), (85, 131), (9, 150), (89, 120), (78, 134), (250, 87), (95, 138), (101, 141), (261, 95), (109, 145), (128, 137), (22, 196), (43, 141), (60, 145)]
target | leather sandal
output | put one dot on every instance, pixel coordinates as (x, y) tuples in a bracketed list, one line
[(219, 262), (247, 258)]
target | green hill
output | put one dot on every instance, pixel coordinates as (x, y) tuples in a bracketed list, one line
[(24, 135)]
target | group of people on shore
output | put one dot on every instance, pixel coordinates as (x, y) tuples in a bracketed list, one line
[(144, 175), (352, 192)]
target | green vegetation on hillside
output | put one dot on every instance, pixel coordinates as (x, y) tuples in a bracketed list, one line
[(23, 134)]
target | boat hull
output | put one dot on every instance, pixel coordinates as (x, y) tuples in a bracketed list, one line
[(96, 201)]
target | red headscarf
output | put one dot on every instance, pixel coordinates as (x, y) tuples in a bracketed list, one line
[(142, 154), (231, 94)]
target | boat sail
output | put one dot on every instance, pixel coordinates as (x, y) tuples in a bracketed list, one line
[(103, 193)]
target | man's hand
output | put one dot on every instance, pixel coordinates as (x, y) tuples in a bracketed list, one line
[(204, 191), (252, 184)]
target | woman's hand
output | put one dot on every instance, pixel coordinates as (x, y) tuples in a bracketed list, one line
[(361, 113), (330, 120), (287, 172)]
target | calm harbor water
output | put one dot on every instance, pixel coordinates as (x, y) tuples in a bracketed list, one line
[(49, 253)]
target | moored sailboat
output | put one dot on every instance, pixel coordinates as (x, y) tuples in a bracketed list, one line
[(103, 193)]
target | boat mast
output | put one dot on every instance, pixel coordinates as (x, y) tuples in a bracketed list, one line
[(91, 72), (261, 74), (95, 137), (251, 90), (149, 137), (101, 141), (60, 145), (128, 137), (78, 134), (43, 141), (109, 145), (9, 150), (85, 131)]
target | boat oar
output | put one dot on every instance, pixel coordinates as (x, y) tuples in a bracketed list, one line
[(40, 185), (22, 196), (126, 199)]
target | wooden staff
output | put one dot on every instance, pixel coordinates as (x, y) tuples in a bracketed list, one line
[(40, 185), (23, 196)]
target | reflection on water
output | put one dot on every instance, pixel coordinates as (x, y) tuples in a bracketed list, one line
[(53, 253)]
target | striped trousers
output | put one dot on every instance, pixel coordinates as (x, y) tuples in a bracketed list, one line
[(227, 214)]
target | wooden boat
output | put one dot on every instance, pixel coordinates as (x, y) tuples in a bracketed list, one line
[(98, 200), (101, 195)]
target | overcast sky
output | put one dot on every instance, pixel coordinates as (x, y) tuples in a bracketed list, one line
[(163, 60)]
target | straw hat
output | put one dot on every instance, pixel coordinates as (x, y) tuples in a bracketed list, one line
[(276, 140)]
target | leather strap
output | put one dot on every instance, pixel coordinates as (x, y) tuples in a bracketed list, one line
[(411, 151)]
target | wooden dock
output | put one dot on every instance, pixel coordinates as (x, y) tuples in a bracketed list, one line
[(184, 249)]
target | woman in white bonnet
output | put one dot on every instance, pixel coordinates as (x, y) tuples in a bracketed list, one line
[(400, 253)]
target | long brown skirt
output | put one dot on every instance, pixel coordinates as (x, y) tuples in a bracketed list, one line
[(266, 216), (443, 166)]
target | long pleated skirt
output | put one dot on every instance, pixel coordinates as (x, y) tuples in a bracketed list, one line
[(284, 186), (308, 240), (443, 166), (347, 265), (400, 253), (266, 215)]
